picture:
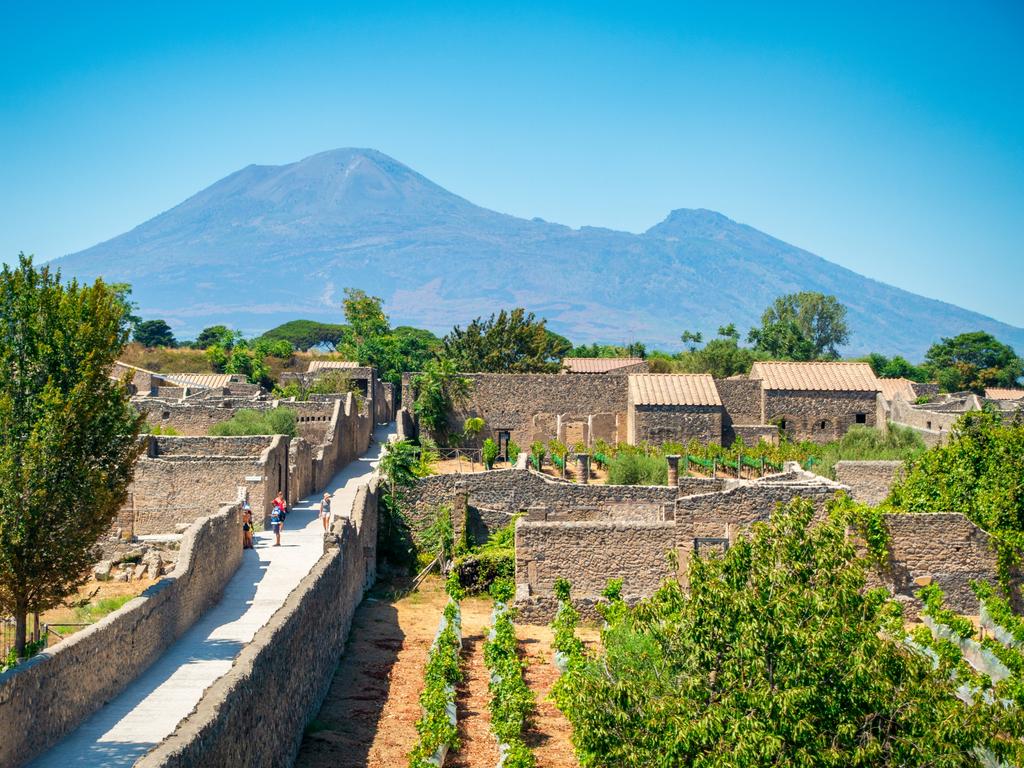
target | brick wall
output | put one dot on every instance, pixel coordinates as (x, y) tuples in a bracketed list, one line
[(51, 694), (869, 481)]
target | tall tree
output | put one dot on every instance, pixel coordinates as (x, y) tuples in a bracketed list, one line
[(509, 342), (974, 361), (154, 333), (216, 335), (364, 315), (802, 326), (68, 434)]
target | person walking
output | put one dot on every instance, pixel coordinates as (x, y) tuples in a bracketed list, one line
[(325, 510), (282, 508), (276, 525)]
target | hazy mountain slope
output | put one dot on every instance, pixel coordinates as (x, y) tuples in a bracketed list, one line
[(271, 243)]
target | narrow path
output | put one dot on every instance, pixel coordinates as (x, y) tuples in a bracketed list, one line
[(472, 697), (149, 709), (549, 734)]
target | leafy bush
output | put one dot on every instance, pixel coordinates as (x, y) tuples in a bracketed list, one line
[(513, 452), (476, 571), (637, 469), (158, 429), (276, 421), (443, 673), (490, 452), (512, 700)]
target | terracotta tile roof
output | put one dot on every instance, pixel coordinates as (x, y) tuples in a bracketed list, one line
[(202, 380), (598, 364), (902, 387), (816, 377), (324, 365), (673, 389), (1003, 393)]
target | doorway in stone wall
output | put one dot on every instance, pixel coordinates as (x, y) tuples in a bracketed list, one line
[(504, 438)]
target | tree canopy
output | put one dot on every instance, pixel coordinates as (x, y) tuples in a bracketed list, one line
[(219, 335), (154, 333), (68, 434), (305, 334), (973, 361), (802, 326), (776, 654), (509, 342)]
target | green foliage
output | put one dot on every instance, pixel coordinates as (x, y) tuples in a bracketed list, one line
[(998, 608), (973, 361), (934, 606), (509, 342), (862, 443), (473, 427), (868, 521), (154, 333), (439, 389), (976, 472), (306, 334), (439, 536), (802, 326), (364, 315), (336, 382), (477, 568), (68, 434), (216, 335), (276, 421), (399, 467), (503, 590), (512, 700), (567, 618), (402, 349), (896, 368), (637, 469), (123, 295), (489, 453), (513, 452), (443, 673), (777, 654), (158, 429)]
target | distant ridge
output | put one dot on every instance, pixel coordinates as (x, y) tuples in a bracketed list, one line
[(272, 243)]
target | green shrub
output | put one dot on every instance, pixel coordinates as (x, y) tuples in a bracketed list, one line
[(512, 700), (476, 571), (490, 452), (442, 674), (637, 469), (277, 421)]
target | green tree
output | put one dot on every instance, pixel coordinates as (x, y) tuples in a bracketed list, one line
[(216, 335), (276, 421), (509, 342), (777, 654), (154, 333), (403, 349), (305, 334), (896, 368), (973, 361), (123, 292), (364, 315), (802, 326), (439, 389), (722, 357), (692, 339), (394, 538), (68, 434)]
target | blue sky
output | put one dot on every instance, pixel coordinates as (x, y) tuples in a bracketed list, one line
[(887, 137)]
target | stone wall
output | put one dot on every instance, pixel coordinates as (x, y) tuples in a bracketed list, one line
[(347, 438), (48, 696), (869, 481), (933, 426), (497, 495), (751, 434), (588, 554), (510, 402), (255, 714), (819, 416), (177, 486), (194, 419), (741, 400), (658, 424), (945, 548)]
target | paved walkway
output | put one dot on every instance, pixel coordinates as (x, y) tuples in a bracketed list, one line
[(151, 707)]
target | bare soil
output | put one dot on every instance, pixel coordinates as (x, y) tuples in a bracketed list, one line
[(549, 734), (369, 715)]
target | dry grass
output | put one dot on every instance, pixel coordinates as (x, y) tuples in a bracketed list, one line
[(187, 360)]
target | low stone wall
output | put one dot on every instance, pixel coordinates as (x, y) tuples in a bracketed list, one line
[(588, 554), (195, 419), (869, 481), (945, 548), (497, 494), (255, 714), (752, 434), (242, 445), (51, 694)]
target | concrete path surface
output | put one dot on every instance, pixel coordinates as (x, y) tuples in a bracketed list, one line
[(150, 708)]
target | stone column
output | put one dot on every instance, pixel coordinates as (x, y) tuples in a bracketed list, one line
[(584, 461), (460, 512), (673, 469)]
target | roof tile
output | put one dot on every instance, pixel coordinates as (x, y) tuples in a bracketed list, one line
[(673, 389), (816, 376)]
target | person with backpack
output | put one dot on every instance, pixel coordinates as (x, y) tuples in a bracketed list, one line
[(276, 525), (282, 507), (246, 525)]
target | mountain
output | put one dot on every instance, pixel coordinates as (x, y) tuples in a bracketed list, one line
[(272, 243)]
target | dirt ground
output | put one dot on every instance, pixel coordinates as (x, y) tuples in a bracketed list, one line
[(63, 615), (369, 715)]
